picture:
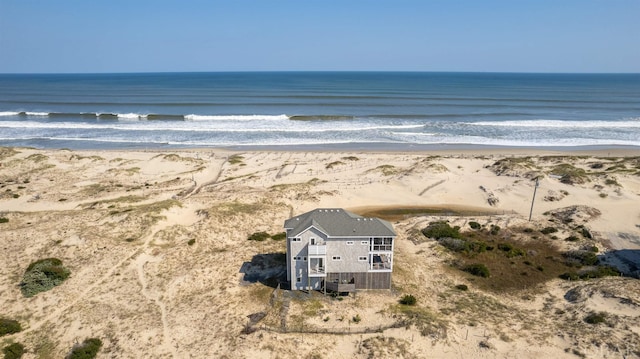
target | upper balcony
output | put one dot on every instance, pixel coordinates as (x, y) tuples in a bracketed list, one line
[(317, 250)]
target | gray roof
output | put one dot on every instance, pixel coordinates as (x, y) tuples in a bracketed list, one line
[(336, 222)]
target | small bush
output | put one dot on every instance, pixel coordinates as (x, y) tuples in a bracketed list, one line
[(279, 236), (192, 241), (441, 229), (584, 258), (408, 299), (596, 318), (572, 239), (356, 318), (4, 220), (42, 276), (87, 350), (13, 351), (477, 269), (462, 287), (549, 230), (9, 326), (259, 236), (475, 225), (494, 230)]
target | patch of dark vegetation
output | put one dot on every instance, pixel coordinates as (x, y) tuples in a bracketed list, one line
[(350, 158), (191, 242), (235, 159), (591, 273), (87, 350), (441, 229), (515, 260), (333, 164), (13, 351), (477, 269), (570, 174), (259, 236), (279, 236), (474, 225), (4, 220), (400, 213), (549, 230), (42, 276), (462, 287), (580, 258), (408, 299), (596, 318), (9, 326)]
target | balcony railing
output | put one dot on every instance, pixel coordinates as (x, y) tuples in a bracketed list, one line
[(317, 249), (316, 270)]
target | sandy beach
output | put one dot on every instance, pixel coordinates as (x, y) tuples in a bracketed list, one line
[(156, 244)]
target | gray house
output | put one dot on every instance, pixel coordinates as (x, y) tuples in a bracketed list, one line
[(334, 249)]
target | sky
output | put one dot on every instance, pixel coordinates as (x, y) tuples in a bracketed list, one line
[(96, 36)]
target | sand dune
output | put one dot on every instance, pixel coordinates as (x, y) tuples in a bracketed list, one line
[(156, 243)]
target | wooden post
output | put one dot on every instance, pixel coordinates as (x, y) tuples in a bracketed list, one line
[(534, 198)]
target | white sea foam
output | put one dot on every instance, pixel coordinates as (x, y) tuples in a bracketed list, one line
[(627, 123), (37, 114), (193, 117), (9, 113), (131, 116)]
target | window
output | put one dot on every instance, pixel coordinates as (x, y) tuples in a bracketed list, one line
[(299, 279), (382, 244), (364, 243), (313, 241), (295, 239), (304, 259), (362, 258), (296, 258), (336, 258), (349, 243)]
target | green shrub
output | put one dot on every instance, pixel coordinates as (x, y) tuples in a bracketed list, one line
[(549, 230), (9, 326), (474, 225), (462, 287), (4, 220), (279, 236), (586, 233), (42, 276), (477, 269), (583, 258), (259, 236), (463, 245), (572, 239), (87, 350), (494, 230), (191, 242), (596, 318), (441, 229), (356, 318), (569, 276), (408, 299), (13, 351)]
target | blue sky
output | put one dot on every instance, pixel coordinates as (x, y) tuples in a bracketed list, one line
[(262, 35)]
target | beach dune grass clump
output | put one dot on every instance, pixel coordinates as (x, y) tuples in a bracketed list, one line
[(477, 269), (87, 350), (13, 351), (441, 229), (259, 236), (42, 276), (408, 299), (9, 326)]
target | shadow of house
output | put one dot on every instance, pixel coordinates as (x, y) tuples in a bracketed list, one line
[(269, 269), (626, 261)]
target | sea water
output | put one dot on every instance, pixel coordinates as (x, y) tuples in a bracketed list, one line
[(367, 110)]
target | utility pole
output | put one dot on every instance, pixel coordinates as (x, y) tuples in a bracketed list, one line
[(534, 197)]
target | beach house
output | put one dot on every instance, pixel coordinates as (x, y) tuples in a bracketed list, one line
[(335, 250)]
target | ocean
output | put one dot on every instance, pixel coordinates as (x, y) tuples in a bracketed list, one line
[(320, 110)]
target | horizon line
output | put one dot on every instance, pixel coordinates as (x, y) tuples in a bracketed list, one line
[(318, 71)]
